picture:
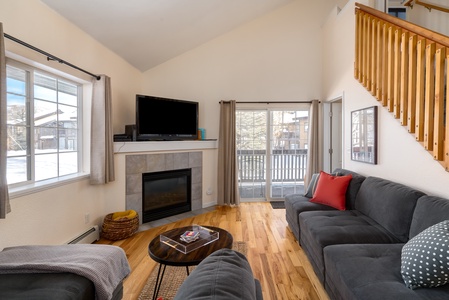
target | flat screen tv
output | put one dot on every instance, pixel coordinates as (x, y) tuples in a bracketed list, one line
[(161, 119)]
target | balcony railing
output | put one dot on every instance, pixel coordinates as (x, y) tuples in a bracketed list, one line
[(286, 165)]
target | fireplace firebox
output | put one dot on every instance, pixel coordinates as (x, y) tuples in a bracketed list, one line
[(165, 194)]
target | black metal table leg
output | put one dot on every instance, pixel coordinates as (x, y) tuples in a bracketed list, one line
[(157, 286)]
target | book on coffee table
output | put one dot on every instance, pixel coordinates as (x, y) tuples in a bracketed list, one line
[(186, 241), (190, 236)]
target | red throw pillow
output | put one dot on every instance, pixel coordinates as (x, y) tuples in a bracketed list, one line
[(331, 190)]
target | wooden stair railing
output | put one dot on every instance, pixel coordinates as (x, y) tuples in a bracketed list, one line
[(406, 67)]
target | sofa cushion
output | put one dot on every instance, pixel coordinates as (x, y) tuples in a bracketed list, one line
[(425, 258), (323, 228), (429, 211), (353, 187), (388, 203), (294, 205), (331, 190), (371, 272), (225, 274)]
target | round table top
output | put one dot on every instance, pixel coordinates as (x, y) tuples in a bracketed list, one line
[(164, 254)]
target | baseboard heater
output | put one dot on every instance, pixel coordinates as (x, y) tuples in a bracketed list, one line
[(88, 237)]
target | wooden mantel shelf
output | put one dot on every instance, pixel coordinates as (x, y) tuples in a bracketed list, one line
[(163, 146)]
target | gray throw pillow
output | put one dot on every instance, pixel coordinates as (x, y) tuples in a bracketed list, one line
[(312, 185), (425, 258)]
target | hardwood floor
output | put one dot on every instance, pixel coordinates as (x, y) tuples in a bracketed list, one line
[(275, 257)]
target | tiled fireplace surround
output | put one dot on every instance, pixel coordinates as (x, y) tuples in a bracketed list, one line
[(146, 163)]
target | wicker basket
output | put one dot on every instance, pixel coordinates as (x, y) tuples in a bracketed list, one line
[(119, 229)]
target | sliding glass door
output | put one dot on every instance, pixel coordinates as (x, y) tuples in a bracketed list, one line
[(272, 152)]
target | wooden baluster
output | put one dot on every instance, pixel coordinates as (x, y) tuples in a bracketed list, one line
[(357, 41), (379, 61), (446, 139), (397, 72), (390, 88), (411, 83), (430, 96), (373, 55), (361, 47), (368, 54), (365, 50), (385, 30), (438, 135), (404, 78), (420, 78)]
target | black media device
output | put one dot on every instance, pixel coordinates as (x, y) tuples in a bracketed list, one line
[(165, 119)]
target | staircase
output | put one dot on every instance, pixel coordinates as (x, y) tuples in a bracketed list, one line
[(405, 67)]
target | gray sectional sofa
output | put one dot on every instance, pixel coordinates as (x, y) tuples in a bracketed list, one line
[(356, 253), (223, 275)]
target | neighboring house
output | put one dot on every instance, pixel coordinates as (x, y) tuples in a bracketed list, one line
[(301, 51), (45, 138), (293, 135)]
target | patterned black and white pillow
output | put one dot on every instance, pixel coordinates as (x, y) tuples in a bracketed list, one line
[(425, 258)]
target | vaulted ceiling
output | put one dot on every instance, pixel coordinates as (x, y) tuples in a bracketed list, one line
[(149, 32)]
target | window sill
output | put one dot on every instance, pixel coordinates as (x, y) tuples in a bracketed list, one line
[(23, 190)]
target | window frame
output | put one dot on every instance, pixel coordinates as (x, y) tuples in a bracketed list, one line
[(32, 186)]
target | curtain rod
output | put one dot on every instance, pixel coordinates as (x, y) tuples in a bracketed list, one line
[(269, 102), (49, 56)]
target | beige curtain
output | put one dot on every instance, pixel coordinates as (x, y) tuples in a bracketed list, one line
[(102, 146), (313, 161), (228, 192), (4, 195)]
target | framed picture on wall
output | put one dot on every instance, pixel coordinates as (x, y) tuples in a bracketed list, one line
[(364, 135)]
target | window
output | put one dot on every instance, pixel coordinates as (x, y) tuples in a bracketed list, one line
[(398, 12), (43, 121), (271, 151)]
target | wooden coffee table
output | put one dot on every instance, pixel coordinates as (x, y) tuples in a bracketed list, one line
[(168, 256)]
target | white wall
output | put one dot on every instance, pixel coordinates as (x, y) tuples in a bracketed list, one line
[(434, 20), (276, 57), (56, 215), (401, 158)]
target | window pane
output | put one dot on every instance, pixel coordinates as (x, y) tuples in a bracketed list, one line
[(251, 138), (15, 81), (43, 93), (17, 140), (68, 163), (16, 169), (67, 93), (45, 113), (45, 140), (67, 116), (67, 99), (16, 109), (68, 140), (44, 87), (288, 154), (46, 166)]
